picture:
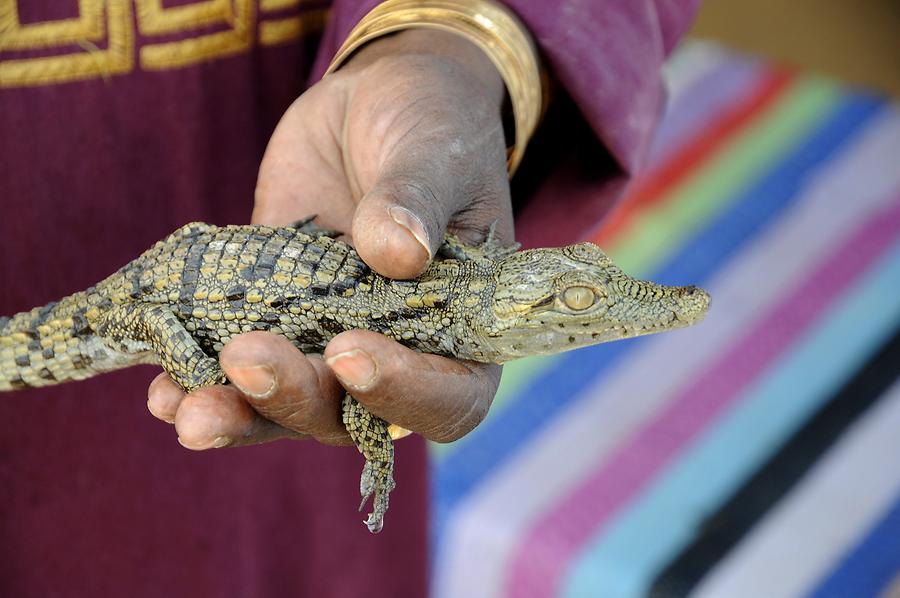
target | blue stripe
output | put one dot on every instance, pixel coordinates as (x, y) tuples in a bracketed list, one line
[(771, 194), (872, 566), (674, 507), (556, 390)]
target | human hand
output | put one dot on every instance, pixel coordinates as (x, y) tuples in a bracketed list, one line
[(403, 142)]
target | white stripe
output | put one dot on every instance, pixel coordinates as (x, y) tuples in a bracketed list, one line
[(795, 545), (487, 525), (691, 62)]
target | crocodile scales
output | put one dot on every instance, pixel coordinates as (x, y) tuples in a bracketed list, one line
[(183, 299)]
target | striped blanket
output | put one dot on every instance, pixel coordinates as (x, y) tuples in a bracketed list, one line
[(756, 455)]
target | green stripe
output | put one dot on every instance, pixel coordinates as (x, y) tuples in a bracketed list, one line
[(519, 373), (687, 207)]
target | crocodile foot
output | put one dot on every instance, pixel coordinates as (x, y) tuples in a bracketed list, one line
[(372, 438), (490, 248)]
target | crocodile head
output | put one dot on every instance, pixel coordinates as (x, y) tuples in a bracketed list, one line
[(552, 300)]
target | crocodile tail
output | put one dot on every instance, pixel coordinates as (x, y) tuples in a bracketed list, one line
[(44, 346)]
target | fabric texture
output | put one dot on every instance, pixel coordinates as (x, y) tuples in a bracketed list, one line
[(753, 454), (97, 497)]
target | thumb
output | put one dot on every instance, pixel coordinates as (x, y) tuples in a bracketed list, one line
[(425, 184), (399, 224)]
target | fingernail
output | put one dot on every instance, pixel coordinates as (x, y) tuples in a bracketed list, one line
[(221, 442), (354, 368), (256, 381), (411, 222), (397, 432), (218, 442)]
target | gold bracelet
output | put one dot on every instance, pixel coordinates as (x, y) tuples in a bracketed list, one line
[(491, 27)]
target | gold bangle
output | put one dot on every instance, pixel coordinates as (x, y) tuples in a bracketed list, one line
[(491, 27)]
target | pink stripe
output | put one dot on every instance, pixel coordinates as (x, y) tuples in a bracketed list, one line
[(541, 560)]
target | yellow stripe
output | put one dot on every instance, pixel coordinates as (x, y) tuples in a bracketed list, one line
[(277, 4), (153, 19), (191, 51), (286, 30), (88, 25)]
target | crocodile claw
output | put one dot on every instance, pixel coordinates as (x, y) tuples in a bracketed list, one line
[(378, 483), (373, 439)]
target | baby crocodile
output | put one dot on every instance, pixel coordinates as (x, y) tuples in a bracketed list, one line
[(182, 300)]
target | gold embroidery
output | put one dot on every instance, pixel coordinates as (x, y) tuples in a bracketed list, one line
[(287, 30), (80, 40), (278, 4), (153, 19), (88, 25), (205, 47), (88, 62)]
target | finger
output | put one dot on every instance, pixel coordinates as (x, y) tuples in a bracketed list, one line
[(213, 418), (163, 398), (431, 176), (285, 386), (219, 416), (440, 398)]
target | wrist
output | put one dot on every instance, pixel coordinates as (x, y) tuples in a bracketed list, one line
[(487, 24), (453, 52)]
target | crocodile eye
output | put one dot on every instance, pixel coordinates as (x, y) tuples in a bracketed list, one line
[(578, 298)]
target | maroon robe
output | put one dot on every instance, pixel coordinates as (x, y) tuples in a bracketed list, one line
[(155, 114)]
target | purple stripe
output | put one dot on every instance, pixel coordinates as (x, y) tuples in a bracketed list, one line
[(543, 554), (719, 88)]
